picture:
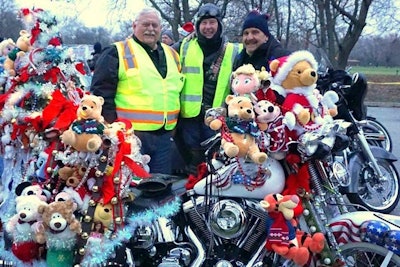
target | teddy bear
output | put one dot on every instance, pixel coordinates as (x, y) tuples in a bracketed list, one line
[(281, 230), (59, 229), (85, 133), (72, 176), (239, 130), (22, 225), (296, 76), (245, 80), (22, 45), (104, 214)]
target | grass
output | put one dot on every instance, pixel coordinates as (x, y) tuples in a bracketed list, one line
[(383, 83), (389, 71)]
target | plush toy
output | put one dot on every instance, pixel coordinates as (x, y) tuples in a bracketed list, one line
[(21, 227), (296, 74), (277, 129), (58, 230), (27, 188), (103, 214), (23, 45), (85, 133), (315, 243), (6, 46), (267, 114), (72, 176), (281, 231), (239, 130), (245, 80)]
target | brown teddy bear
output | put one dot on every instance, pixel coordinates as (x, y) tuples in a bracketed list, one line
[(239, 130), (22, 46), (59, 231), (85, 133), (296, 76), (72, 176)]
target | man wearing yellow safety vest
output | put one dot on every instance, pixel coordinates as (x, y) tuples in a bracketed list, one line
[(140, 81), (206, 61)]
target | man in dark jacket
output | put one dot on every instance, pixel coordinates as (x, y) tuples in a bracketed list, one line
[(260, 46), (95, 55)]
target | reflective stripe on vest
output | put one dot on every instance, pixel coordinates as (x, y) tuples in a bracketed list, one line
[(130, 60), (143, 116), (192, 67), (143, 96)]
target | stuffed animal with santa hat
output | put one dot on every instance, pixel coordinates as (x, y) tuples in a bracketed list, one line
[(186, 29), (296, 76)]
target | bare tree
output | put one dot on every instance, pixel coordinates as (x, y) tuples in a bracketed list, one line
[(10, 24)]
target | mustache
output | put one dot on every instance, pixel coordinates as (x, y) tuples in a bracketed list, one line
[(150, 33)]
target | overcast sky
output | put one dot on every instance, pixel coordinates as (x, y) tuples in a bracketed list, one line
[(93, 13)]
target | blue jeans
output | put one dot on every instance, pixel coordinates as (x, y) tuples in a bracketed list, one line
[(158, 146), (193, 132)]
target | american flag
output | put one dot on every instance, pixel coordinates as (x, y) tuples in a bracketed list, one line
[(371, 231)]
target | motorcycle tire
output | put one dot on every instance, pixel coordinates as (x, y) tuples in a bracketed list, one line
[(361, 254), (375, 195), (377, 135)]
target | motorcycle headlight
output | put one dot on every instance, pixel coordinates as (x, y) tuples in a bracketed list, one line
[(340, 173), (228, 219)]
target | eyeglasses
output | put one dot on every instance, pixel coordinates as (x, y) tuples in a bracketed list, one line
[(208, 10)]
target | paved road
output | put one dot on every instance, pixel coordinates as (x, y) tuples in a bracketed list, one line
[(390, 117)]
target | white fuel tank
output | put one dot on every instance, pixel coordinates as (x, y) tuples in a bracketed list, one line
[(226, 182)]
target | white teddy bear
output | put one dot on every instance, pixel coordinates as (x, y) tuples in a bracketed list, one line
[(22, 227)]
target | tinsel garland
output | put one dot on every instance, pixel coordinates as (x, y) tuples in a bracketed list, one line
[(8, 256), (100, 252)]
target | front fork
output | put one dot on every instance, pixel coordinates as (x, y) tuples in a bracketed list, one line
[(372, 162)]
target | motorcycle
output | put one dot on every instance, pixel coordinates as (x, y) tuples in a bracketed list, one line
[(355, 87), (221, 221), (374, 182), (377, 234)]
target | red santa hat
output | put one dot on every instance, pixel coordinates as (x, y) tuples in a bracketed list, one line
[(186, 29), (287, 63)]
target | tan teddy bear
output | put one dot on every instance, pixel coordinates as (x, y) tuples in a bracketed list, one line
[(103, 214), (85, 133), (22, 46), (239, 135), (296, 76), (59, 231)]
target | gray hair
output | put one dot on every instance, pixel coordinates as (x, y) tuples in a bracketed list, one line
[(148, 10)]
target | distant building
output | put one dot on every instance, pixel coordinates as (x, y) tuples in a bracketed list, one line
[(353, 62)]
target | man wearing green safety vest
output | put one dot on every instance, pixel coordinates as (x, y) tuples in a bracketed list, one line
[(206, 61), (140, 81)]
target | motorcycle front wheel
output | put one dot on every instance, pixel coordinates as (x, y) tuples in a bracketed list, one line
[(380, 194), (377, 135), (360, 254)]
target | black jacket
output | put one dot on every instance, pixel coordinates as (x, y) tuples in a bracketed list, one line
[(271, 50)]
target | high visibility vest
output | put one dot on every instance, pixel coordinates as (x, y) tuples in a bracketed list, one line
[(143, 96), (192, 66)]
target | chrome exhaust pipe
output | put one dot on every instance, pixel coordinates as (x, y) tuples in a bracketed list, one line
[(198, 261)]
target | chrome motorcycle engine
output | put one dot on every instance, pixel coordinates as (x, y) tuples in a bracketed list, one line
[(230, 229)]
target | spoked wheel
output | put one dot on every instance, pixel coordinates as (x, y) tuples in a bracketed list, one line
[(375, 193), (377, 135), (362, 254)]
